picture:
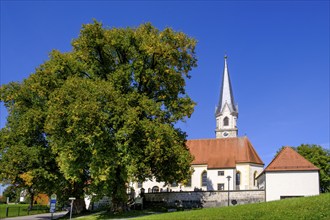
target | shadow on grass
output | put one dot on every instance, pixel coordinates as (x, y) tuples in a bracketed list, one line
[(107, 215), (125, 215)]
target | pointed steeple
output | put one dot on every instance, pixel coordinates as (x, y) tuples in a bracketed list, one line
[(226, 92), (226, 112)]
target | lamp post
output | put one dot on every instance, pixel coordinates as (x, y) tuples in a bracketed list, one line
[(72, 199), (228, 177)]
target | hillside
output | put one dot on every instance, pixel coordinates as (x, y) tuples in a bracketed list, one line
[(316, 207)]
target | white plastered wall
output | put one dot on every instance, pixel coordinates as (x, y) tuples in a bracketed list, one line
[(291, 183), (215, 179), (196, 181), (247, 171)]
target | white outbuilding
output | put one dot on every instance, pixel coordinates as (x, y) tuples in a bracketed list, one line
[(289, 175)]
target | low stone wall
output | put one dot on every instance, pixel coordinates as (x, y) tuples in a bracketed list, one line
[(196, 199)]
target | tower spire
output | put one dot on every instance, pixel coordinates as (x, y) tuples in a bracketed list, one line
[(226, 112)]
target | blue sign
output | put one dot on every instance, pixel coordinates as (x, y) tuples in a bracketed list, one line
[(52, 203)]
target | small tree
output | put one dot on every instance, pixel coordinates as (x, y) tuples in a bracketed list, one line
[(12, 192)]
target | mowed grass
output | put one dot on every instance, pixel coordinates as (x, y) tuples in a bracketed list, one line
[(315, 207), (20, 210)]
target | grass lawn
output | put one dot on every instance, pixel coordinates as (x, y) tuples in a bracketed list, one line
[(315, 207), (21, 210)]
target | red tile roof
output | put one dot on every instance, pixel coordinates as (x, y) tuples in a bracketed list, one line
[(223, 152), (289, 160)]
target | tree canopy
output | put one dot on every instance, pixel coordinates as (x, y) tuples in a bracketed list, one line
[(102, 114)]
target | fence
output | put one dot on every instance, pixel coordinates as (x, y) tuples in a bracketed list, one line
[(7, 211)]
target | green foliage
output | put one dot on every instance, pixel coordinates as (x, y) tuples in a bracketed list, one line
[(101, 115), (320, 157), (12, 193)]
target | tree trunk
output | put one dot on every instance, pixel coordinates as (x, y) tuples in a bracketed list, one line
[(78, 206), (79, 203), (119, 195), (31, 193)]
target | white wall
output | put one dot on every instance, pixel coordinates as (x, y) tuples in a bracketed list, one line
[(291, 183), (196, 181), (247, 175), (247, 171), (215, 179)]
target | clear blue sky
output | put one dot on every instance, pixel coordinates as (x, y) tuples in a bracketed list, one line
[(278, 57)]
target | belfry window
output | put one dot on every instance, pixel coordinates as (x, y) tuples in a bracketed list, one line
[(226, 121)]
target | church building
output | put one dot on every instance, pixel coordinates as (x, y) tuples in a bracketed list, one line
[(224, 162)]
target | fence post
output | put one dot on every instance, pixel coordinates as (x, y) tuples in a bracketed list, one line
[(7, 208), (19, 209)]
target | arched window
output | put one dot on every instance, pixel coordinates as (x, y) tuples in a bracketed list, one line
[(188, 184), (204, 178), (226, 121), (155, 189), (255, 178), (238, 178)]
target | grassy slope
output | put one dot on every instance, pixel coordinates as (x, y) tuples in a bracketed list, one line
[(21, 210), (316, 207)]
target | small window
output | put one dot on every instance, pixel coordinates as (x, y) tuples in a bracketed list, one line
[(226, 121), (238, 178), (221, 186), (189, 182), (221, 173), (204, 178), (255, 178), (139, 184), (174, 184)]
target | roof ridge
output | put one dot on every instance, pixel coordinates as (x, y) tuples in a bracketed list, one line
[(280, 162), (201, 139)]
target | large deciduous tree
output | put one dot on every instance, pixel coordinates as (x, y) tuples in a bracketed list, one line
[(106, 111)]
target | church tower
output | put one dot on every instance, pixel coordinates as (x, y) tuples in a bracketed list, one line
[(226, 113)]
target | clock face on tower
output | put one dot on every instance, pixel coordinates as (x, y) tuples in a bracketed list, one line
[(225, 134)]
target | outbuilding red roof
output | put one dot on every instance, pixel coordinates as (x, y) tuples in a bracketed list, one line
[(290, 160), (223, 152)]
